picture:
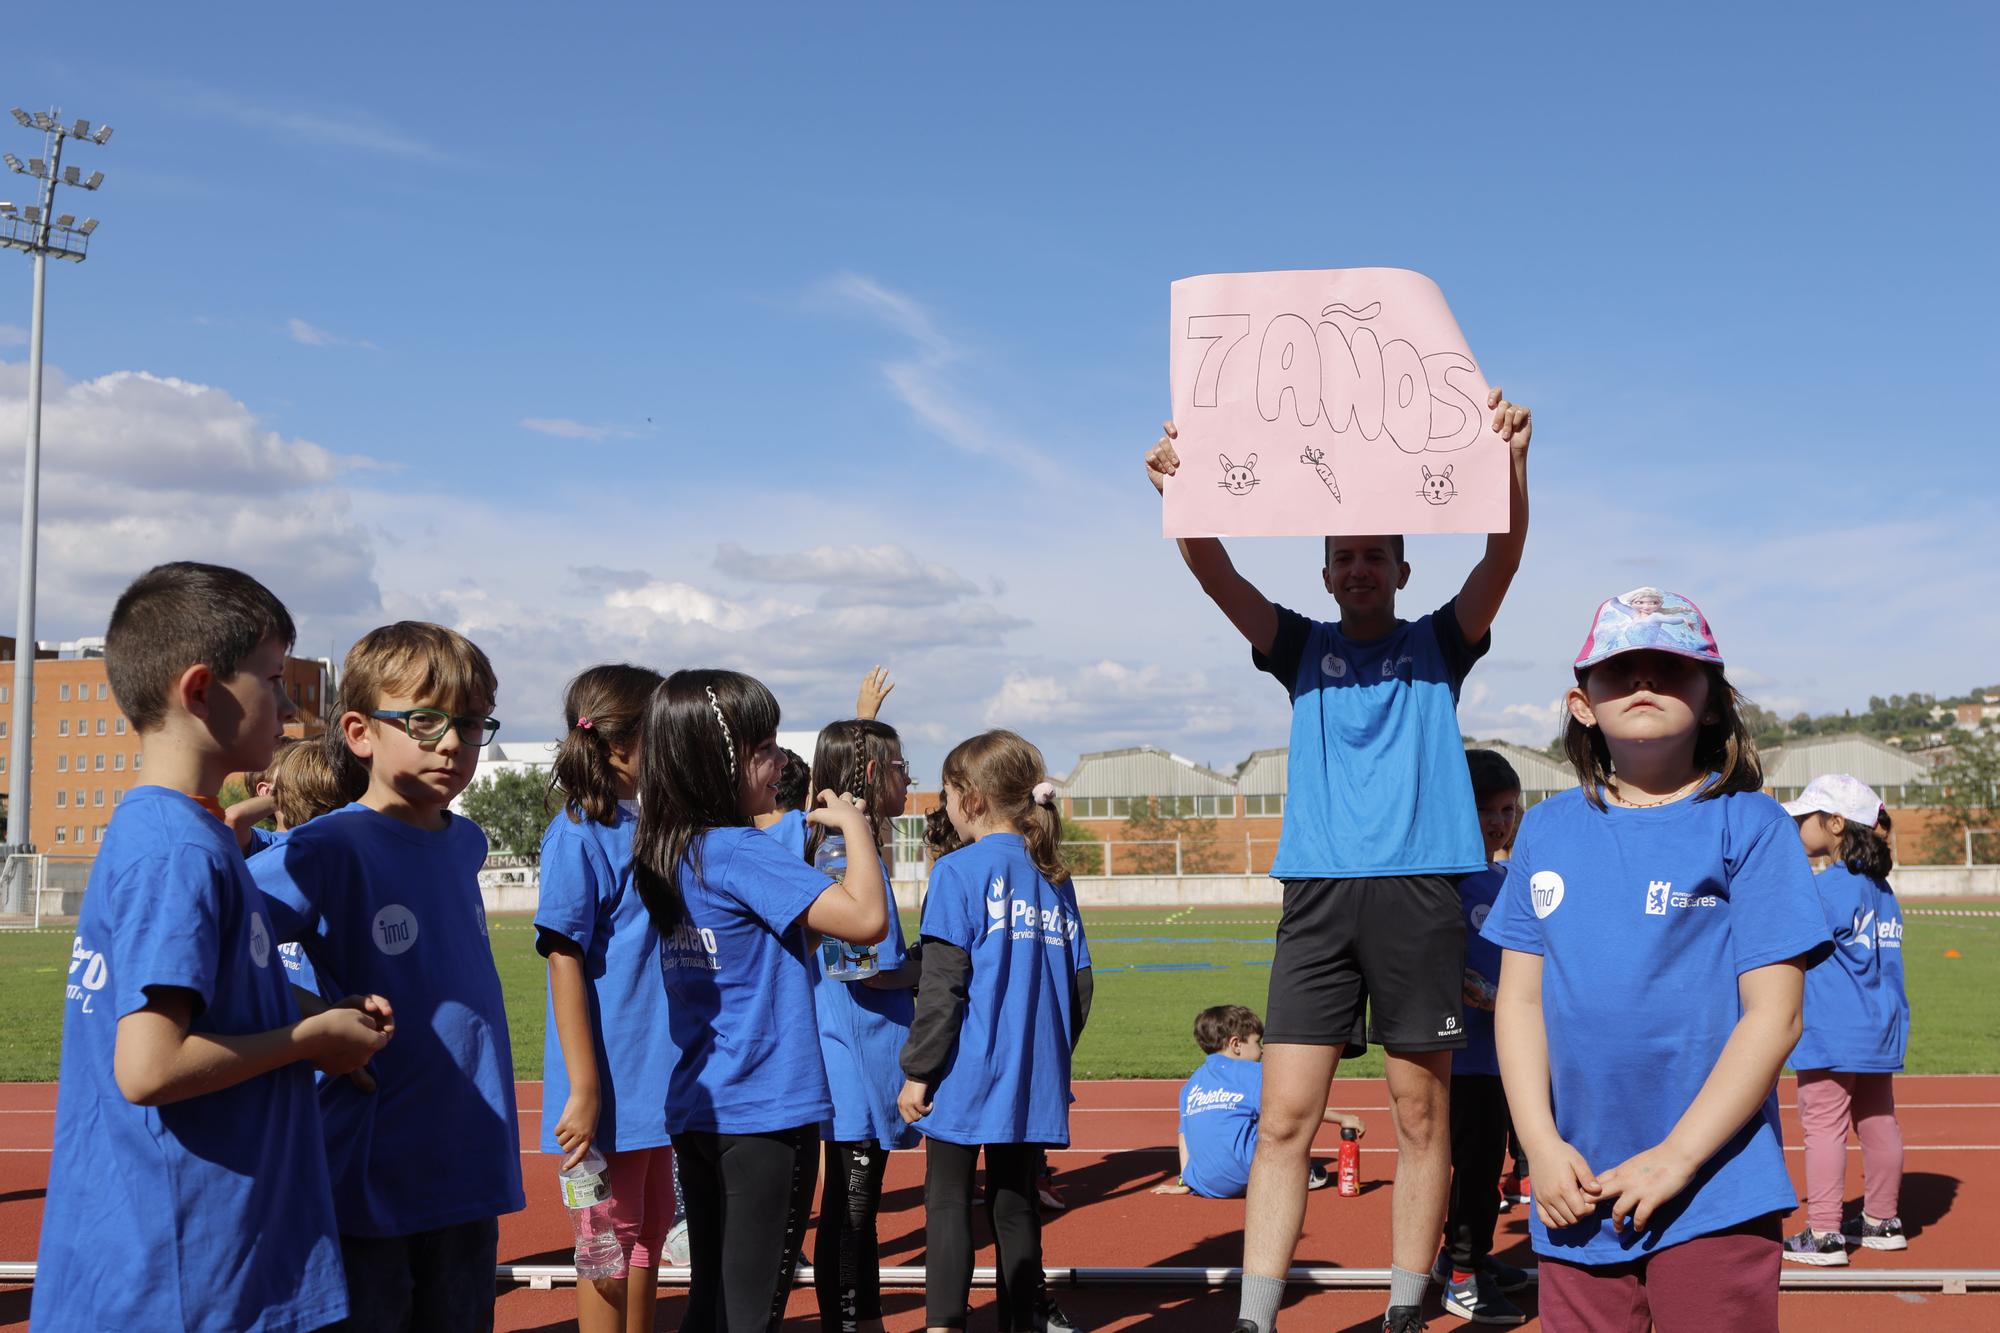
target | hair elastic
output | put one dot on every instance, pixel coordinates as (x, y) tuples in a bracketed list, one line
[(1045, 793), (584, 724), (728, 738)]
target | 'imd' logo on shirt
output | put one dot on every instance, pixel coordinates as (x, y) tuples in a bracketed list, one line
[(1333, 665), (395, 929), (1545, 891), (260, 940)]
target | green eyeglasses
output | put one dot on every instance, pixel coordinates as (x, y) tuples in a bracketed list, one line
[(427, 725)]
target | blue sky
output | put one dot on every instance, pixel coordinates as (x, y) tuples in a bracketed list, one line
[(801, 337)]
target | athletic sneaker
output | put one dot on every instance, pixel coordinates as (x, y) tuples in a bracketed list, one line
[(1404, 1319), (1825, 1249), (1514, 1189), (1874, 1235), (1050, 1193), (1049, 1318), (1504, 1276), (1318, 1177), (1478, 1298), (677, 1244)]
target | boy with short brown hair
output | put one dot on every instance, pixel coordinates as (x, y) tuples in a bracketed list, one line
[(385, 893)]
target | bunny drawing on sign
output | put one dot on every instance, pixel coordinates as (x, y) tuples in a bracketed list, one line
[(1317, 461), (1437, 486), (1238, 478)]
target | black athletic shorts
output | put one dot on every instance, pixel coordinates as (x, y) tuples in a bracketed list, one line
[(1394, 944)]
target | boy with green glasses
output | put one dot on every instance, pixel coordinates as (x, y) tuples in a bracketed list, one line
[(385, 893)]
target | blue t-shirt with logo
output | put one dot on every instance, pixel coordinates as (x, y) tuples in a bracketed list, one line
[(1475, 896), (861, 1032), (1857, 1017), (739, 990), (393, 910), (588, 898), (1007, 1079), (1644, 920), (211, 1213), (1219, 1109), (1376, 772)]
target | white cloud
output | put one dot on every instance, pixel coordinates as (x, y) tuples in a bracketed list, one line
[(851, 573), (927, 383), (358, 131), (311, 335), (1108, 704), (13, 335), (563, 428)]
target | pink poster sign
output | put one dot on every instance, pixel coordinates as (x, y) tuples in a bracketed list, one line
[(1326, 402)]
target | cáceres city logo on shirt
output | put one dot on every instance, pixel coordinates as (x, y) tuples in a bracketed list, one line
[(1660, 896)]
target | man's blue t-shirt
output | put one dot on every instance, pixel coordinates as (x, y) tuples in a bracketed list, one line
[(1376, 772), (1219, 1109), (1644, 920), (861, 1033), (1475, 895), (1857, 1018), (392, 910), (1007, 1079), (739, 990), (588, 898), (212, 1213)]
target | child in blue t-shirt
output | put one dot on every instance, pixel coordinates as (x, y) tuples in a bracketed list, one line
[(1657, 922), (384, 893), (787, 822), (1475, 1283), (862, 1026), (1378, 826), (1857, 1025), (608, 1050), (1220, 1103), (1005, 993), (186, 1188), (748, 1090)]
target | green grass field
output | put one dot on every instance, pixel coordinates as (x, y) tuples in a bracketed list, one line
[(1147, 994)]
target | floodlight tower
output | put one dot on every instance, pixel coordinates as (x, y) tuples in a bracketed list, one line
[(36, 229)]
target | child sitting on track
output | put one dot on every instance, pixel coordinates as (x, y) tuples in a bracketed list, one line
[(1220, 1104)]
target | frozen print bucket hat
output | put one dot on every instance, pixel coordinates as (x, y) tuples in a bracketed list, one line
[(1838, 794), (1646, 618)]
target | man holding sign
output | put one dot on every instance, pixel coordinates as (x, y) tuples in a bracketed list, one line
[(1379, 820)]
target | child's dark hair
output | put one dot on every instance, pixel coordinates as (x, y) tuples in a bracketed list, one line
[(1216, 1027), (1723, 747), (840, 763), (1863, 848), (940, 838), (1491, 774), (603, 707), (176, 615), (1002, 770), (699, 732), (1395, 540), (795, 783)]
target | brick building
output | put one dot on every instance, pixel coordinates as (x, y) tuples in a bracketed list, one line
[(86, 756)]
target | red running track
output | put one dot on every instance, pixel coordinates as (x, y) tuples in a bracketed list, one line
[(1124, 1130)]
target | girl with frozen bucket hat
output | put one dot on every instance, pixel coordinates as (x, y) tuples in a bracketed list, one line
[(1656, 925), (1857, 1024)]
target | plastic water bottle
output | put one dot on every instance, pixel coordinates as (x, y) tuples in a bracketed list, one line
[(1350, 1162), (838, 959), (587, 1195)]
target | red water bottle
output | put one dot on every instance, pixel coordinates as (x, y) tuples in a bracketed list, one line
[(1350, 1163)]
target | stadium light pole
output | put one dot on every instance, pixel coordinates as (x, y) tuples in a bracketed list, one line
[(37, 230)]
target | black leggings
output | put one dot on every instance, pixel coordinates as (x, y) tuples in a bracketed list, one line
[(847, 1255), (1478, 1143), (1011, 1169), (746, 1197)]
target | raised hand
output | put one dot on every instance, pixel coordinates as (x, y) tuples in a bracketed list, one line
[(1162, 460)]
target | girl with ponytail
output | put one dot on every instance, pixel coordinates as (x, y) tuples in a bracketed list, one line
[(1006, 990)]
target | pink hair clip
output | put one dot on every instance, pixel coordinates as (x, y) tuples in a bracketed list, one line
[(584, 724)]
